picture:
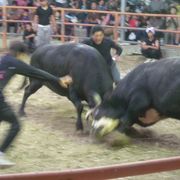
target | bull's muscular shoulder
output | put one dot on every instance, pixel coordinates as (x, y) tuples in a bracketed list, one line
[(87, 41), (154, 70)]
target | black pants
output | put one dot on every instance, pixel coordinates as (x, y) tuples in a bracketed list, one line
[(6, 114), (151, 53)]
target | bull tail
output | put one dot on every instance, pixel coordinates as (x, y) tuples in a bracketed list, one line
[(24, 84)]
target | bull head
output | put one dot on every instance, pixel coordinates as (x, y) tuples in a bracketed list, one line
[(104, 126), (105, 120)]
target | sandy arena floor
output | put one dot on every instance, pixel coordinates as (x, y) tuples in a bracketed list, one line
[(48, 140)]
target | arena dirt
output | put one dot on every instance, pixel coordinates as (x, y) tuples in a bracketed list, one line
[(48, 140)]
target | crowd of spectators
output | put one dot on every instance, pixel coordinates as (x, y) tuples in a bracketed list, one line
[(146, 6)]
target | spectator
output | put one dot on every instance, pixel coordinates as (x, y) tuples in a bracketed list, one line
[(94, 6), (30, 3), (143, 23), (157, 23), (171, 24), (4, 3), (84, 4), (102, 5), (150, 47), (21, 2), (133, 23), (43, 17), (157, 6), (92, 18), (112, 5), (61, 3), (25, 16), (29, 37), (13, 14)]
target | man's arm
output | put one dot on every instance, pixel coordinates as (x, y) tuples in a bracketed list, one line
[(154, 46), (30, 36), (116, 47), (144, 45), (23, 69), (87, 41)]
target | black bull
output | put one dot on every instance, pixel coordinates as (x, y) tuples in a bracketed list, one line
[(144, 96), (84, 64)]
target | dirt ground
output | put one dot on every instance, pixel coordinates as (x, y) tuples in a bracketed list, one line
[(48, 140)]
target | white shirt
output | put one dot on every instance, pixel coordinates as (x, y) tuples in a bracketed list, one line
[(3, 2), (61, 1)]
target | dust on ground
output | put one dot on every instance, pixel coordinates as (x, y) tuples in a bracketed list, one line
[(48, 140)]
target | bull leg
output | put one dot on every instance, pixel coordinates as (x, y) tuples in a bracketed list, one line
[(91, 100), (29, 90), (137, 105), (79, 107)]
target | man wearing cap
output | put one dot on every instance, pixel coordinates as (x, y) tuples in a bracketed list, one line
[(150, 47)]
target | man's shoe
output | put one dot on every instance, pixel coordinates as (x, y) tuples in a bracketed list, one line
[(4, 162)]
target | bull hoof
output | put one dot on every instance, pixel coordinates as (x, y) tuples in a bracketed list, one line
[(79, 127), (21, 113)]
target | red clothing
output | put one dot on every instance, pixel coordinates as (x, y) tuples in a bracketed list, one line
[(21, 2), (133, 23)]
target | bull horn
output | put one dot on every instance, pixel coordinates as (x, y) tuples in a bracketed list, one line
[(88, 114), (65, 81), (97, 99)]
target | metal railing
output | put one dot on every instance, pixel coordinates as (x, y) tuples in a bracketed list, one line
[(116, 27), (101, 173)]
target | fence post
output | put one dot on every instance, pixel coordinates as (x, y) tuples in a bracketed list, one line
[(62, 24), (116, 27), (4, 34), (123, 8)]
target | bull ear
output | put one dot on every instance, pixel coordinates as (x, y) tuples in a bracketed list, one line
[(97, 99), (65, 81)]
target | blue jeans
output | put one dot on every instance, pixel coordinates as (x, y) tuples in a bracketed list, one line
[(115, 72), (43, 35)]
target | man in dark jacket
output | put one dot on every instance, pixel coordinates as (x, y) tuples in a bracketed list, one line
[(9, 66), (104, 46)]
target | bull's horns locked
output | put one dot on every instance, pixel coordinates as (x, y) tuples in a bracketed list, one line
[(65, 81), (88, 114), (97, 100)]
